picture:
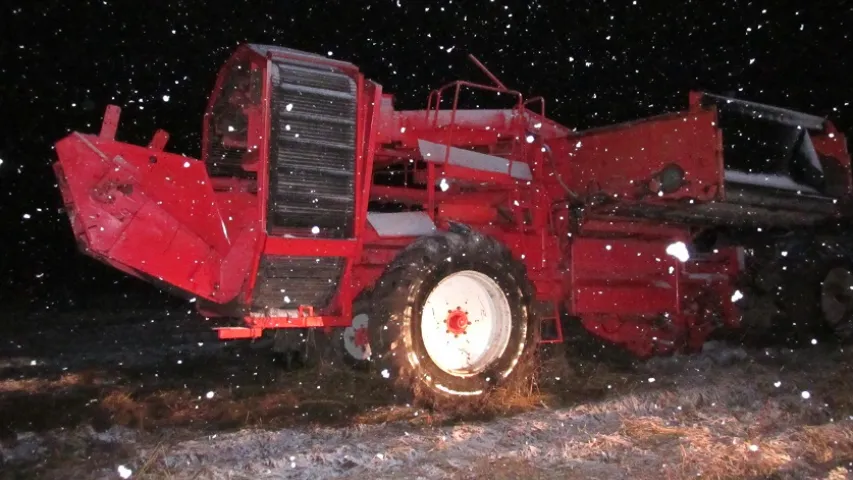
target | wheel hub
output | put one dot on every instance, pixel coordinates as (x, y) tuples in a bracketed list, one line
[(457, 321), (356, 338), (360, 338)]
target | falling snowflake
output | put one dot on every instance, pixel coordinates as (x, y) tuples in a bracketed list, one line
[(209, 395), (124, 472), (679, 251)]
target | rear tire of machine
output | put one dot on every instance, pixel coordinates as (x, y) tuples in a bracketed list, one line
[(784, 298), (398, 350), (809, 288)]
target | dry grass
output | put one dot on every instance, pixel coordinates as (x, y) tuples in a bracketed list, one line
[(645, 430), (825, 443), (56, 385), (716, 456)]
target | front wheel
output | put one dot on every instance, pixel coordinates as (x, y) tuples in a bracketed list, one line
[(453, 319), (355, 339)]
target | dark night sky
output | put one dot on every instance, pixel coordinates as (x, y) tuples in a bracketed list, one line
[(596, 62)]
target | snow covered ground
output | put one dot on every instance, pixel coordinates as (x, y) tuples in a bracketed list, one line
[(726, 413)]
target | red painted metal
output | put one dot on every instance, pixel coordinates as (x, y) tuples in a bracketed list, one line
[(457, 322), (159, 141), (110, 123), (361, 338), (164, 218)]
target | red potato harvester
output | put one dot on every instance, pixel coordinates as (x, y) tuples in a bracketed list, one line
[(447, 243)]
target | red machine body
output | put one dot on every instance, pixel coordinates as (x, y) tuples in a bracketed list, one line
[(310, 182)]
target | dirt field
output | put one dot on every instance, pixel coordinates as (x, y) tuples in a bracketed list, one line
[(153, 395)]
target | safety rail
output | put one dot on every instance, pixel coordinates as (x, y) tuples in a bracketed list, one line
[(434, 108)]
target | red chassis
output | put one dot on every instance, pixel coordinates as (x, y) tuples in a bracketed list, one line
[(594, 216)]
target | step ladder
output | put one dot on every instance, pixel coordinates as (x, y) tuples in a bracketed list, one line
[(551, 327)]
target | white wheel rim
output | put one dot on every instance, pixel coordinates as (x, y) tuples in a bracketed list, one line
[(356, 347), (488, 329)]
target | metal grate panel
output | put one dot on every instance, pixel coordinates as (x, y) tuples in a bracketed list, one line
[(312, 150), (288, 282)]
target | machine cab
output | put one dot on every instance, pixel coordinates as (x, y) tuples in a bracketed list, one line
[(234, 121)]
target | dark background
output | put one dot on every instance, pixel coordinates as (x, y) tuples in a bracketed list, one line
[(596, 62)]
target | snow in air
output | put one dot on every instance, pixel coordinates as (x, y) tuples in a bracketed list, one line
[(124, 472), (443, 185), (679, 251), (736, 296), (288, 107), (186, 164), (166, 98), (209, 395), (315, 229), (530, 138), (806, 395)]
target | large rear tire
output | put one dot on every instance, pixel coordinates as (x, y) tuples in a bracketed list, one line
[(452, 319), (803, 295)]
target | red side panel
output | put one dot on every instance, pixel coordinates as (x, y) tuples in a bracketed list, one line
[(145, 212), (623, 276), (616, 159)]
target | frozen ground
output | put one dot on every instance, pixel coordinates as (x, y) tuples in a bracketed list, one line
[(99, 403)]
